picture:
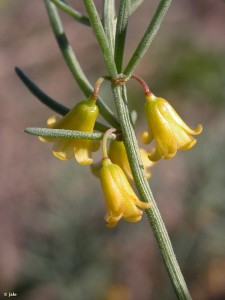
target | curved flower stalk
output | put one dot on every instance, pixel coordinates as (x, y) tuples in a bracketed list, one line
[(121, 201), (82, 117), (167, 129), (117, 154)]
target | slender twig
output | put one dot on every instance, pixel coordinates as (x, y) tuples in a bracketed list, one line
[(73, 63), (48, 101), (64, 133), (121, 30), (109, 22), (72, 12), (148, 37)]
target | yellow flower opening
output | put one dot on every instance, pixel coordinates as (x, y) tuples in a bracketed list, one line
[(117, 154), (121, 201), (82, 118), (167, 129)]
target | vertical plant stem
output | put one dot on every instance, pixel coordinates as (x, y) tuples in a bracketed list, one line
[(73, 63), (101, 36), (121, 30), (145, 193), (109, 22), (148, 36)]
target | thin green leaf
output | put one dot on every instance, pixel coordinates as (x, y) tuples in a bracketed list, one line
[(121, 30), (43, 97), (148, 36), (73, 63), (109, 22), (72, 12), (63, 133), (101, 37)]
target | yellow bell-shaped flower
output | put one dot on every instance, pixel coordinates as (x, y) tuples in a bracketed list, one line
[(121, 201), (167, 129), (82, 118), (117, 154)]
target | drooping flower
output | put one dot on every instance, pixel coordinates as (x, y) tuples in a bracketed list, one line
[(82, 118), (117, 154), (167, 129), (121, 201)]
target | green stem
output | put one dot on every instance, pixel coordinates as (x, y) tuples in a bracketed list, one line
[(73, 63), (101, 36), (121, 30), (109, 21), (48, 101), (148, 37), (145, 193), (72, 12), (64, 133)]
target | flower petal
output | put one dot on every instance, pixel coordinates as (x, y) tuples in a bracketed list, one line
[(112, 220), (82, 152), (134, 218), (166, 143), (179, 121), (146, 137), (63, 149), (52, 121), (111, 191), (120, 197), (117, 154)]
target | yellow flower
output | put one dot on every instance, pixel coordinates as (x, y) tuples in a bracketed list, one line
[(167, 128), (117, 154), (121, 201), (82, 118)]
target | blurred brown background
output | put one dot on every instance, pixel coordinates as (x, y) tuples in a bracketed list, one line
[(53, 241)]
